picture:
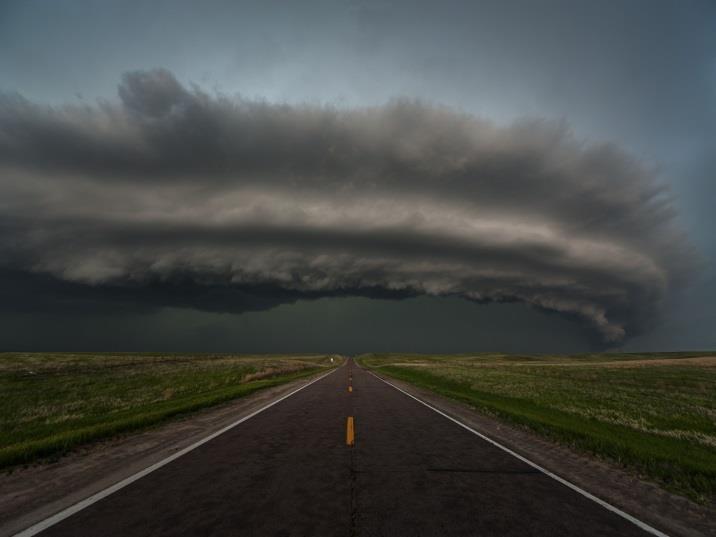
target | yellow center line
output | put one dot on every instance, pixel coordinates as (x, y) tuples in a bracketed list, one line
[(350, 432), (350, 388)]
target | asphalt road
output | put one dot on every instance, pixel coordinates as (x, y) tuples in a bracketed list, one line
[(292, 471)]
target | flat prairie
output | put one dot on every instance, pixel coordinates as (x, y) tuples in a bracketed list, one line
[(654, 414), (50, 403)]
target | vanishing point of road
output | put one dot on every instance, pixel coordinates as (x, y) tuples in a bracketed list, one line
[(348, 455)]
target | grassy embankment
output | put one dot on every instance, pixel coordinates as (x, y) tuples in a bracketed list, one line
[(50, 403), (655, 413)]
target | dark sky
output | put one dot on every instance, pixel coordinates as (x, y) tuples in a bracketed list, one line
[(353, 176)]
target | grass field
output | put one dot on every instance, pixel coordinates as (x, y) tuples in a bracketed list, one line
[(655, 413), (50, 403)]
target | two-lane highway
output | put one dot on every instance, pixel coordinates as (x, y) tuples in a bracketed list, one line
[(347, 455)]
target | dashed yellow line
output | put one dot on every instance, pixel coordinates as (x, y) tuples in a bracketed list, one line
[(350, 432), (350, 389)]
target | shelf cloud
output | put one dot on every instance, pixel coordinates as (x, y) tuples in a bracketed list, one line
[(174, 188)]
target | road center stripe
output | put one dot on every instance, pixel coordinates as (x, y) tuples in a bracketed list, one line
[(350, 432)]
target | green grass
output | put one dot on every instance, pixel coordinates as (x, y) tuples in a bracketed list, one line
[(654, 414), (50, 403)]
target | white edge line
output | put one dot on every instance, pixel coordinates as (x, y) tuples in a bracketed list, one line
[(82, 504), (643, 525)]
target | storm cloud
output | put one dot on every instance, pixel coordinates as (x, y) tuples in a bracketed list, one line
[(175, 188)]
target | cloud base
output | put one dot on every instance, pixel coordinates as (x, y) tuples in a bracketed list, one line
[(173, 186)]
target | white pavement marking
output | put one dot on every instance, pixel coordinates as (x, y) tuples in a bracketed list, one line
[(643, 525), (82, 504)]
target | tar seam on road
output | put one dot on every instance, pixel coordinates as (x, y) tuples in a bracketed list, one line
[(643, 525), (352, 471), (82, 504)]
